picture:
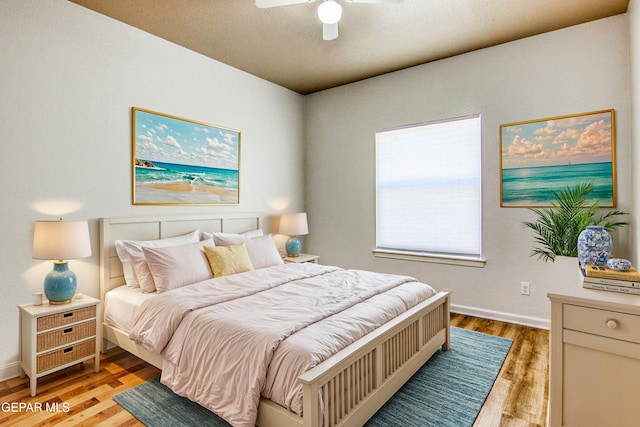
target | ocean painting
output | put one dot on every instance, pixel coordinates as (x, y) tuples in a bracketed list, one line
[(545, 156), (178, 161)]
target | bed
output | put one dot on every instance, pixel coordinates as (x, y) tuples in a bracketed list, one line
[(344, 390)]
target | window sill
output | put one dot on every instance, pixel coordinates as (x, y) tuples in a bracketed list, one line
[(432, 258)]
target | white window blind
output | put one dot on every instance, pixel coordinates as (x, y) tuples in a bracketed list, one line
[(428, 189)]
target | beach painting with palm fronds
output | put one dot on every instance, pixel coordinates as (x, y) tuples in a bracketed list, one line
[(540, 157)]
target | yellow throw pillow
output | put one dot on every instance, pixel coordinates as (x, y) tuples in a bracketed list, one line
[(226, 260)]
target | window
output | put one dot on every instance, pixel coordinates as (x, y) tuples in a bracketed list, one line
[(428, 190)]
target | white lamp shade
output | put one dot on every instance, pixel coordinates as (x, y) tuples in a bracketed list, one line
[(329, 12), (60, 240), (294, 224)]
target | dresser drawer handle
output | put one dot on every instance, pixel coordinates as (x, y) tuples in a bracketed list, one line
[(67, 350), (612, 324), (67, 331)]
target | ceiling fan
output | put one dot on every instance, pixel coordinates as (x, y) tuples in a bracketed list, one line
[(329, 12)]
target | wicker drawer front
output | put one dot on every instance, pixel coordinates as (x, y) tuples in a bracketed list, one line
[(60, 357), (61, 319), (64, 335)]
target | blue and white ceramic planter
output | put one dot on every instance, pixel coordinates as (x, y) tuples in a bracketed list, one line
[(594, 246)]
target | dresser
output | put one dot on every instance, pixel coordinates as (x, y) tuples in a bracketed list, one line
[(595, 359), (54, 337)]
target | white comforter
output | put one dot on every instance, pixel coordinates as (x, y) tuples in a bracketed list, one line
[(226, 341)]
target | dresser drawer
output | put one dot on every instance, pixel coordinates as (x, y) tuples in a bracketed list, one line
[(605, 323), (62, 356), (65, 318), (65, 335)]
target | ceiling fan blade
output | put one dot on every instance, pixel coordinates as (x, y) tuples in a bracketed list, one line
[(329, 31), (263, 4), (376, 1)]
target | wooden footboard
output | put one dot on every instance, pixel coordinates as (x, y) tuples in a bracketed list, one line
[(348, 388)]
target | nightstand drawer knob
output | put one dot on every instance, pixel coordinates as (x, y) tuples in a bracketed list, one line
[(612, 324)]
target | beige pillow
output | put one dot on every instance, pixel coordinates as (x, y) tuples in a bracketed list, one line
[(262, 249), (173, 267), (226, 260), (134, 264)]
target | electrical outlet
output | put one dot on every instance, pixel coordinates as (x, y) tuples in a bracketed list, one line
[(524, 288)]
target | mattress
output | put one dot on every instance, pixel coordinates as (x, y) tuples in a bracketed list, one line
[(121, 306)]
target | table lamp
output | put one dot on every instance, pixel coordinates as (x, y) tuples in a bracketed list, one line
[(293, 225), (60, 240)]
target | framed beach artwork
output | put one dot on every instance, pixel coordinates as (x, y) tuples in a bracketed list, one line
[(182, 162), (540, 157)]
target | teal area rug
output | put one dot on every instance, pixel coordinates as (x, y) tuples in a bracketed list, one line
[(447, 391)]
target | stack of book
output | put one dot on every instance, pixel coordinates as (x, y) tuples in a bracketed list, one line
[(606, 279)]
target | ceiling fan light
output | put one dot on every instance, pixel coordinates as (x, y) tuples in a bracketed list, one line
[(329, 12)]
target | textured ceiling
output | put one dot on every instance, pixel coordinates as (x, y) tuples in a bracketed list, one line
[(284, 45)]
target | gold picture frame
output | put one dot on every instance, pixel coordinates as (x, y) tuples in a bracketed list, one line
[(177, 161), (540, 157)]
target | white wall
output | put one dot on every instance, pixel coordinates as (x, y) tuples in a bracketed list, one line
[(68, 80), (633, 14), (575, 70)]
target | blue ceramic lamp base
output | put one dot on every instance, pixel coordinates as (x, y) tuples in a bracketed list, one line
[(60, 284), (293, 247)]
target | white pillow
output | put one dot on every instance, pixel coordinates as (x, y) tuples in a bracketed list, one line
[(173, 267), (262, 250), (252, 233), (130, 253), (141, 271)]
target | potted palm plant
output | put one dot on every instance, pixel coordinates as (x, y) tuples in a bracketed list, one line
[(557, 228)]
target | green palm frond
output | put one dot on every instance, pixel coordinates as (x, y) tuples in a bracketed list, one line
[(557, 228)]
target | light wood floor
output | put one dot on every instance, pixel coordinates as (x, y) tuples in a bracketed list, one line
[(519, 396)]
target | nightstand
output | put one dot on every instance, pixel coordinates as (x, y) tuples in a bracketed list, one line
[(54, 337), (302, 258)]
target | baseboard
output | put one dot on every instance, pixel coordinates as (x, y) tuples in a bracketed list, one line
[(501, 316), (9, 371)]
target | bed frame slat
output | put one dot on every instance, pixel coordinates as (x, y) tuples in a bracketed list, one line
[(395, 353)]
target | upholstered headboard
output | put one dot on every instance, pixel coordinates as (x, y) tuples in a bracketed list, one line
[(159, 227)]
